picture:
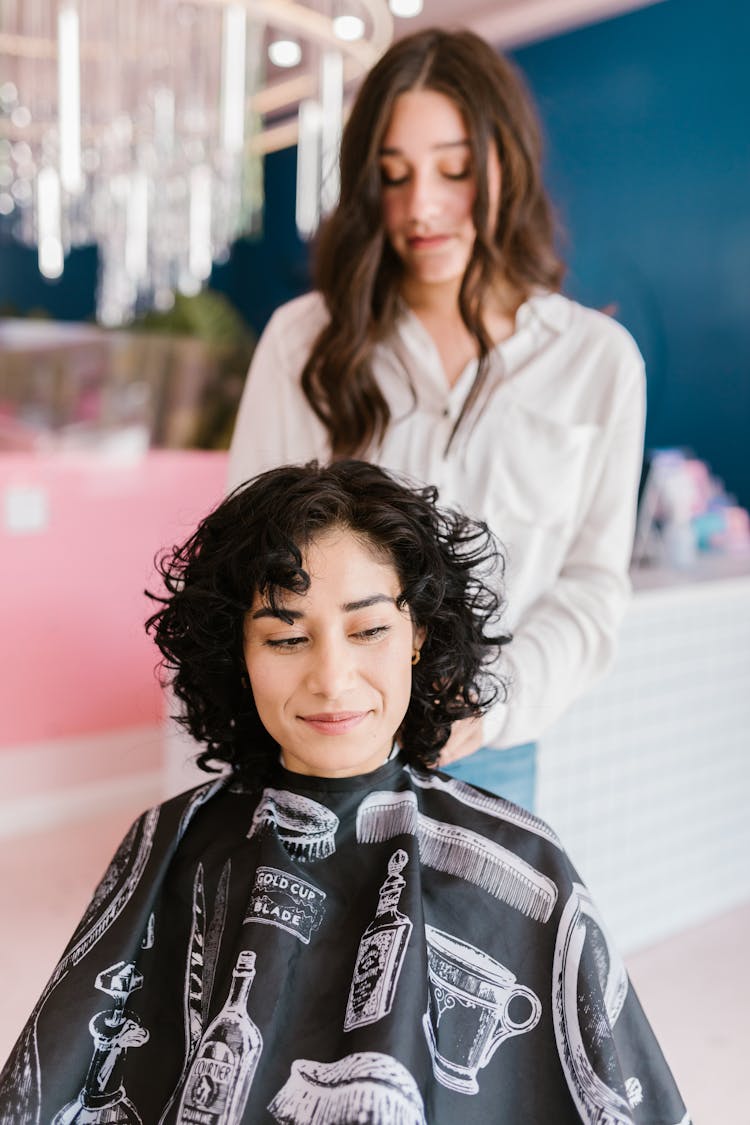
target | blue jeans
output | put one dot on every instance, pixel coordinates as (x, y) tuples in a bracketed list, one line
[(510, 773)]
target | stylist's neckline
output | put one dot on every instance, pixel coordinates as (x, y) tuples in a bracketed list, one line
[(502, 324)]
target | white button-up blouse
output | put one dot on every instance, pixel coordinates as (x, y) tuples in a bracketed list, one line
[(550, 459)]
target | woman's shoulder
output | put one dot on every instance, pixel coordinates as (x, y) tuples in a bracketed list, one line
[(183, 806), (299, 320), (288, 339), (585, 329)]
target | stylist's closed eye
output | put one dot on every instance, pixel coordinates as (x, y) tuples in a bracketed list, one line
[(397, 177)]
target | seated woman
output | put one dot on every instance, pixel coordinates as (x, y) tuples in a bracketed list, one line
[(330, 932)]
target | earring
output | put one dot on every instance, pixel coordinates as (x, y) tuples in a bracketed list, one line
[(416, 656)]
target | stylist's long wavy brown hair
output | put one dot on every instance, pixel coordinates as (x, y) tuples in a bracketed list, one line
[(357, 271)]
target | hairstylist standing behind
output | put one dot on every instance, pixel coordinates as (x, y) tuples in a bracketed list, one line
[(438, 345)]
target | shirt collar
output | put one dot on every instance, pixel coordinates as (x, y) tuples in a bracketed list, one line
[(550, 309)]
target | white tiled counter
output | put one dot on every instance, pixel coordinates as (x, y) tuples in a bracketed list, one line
[(647, 779)]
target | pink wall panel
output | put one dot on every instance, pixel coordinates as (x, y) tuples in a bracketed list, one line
[(78, 534)]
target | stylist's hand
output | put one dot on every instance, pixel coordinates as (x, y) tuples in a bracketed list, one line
[(465, 738)]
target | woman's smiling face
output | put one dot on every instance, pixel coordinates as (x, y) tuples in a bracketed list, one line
[(332, 682)]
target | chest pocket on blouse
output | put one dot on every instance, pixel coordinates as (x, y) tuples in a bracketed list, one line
[(537, 470)]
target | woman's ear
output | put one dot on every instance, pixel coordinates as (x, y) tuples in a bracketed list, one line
[(418, 636)]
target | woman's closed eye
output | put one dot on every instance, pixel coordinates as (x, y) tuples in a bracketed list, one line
[(462, 174), (285, 644), (393, 179), (290, 644), (372, 633)]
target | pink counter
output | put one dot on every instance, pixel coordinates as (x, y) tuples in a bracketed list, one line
[(78, 534)]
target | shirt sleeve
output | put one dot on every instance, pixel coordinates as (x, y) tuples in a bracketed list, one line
[(567, 637), (275, 425)]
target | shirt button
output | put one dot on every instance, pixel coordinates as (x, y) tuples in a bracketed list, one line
[(446, 412)]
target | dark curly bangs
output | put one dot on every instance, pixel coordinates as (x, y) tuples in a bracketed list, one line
[(255, 541)]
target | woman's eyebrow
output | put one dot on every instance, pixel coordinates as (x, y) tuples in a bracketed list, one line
[(280, 614), (363, 603), (444, 144), (296, 614)]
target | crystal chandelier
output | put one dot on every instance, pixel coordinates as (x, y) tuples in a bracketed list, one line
[(141, 125)]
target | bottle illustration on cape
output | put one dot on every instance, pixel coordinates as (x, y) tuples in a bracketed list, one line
[(103, 1096), (381, 953), (222, 1072)]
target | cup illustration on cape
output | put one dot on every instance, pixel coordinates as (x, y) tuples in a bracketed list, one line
[(475, 1004)]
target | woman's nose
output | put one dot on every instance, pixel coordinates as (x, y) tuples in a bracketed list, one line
[(331, 670), (424, 198)]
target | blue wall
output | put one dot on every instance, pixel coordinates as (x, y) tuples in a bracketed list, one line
[(24, 290), (648, 142), (647, 119)]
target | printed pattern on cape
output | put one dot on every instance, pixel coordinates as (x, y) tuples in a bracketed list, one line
[(197, 799), (149, 938), (380, 957), (20, 1087), (103, 1097), (469, 1009), (405, 976), (287, 901), (306, 828), (202, 955), (367, 1087), (218, 1083), (458, 851), (577, 1026), (485, 803), (113, 893)]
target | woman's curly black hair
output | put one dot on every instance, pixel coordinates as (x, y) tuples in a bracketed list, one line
[(255, 540)]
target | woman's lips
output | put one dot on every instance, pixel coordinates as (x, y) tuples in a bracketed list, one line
[(334, 722), (428, 242)]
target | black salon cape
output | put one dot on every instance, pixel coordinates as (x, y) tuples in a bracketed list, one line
[(396, 948)]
